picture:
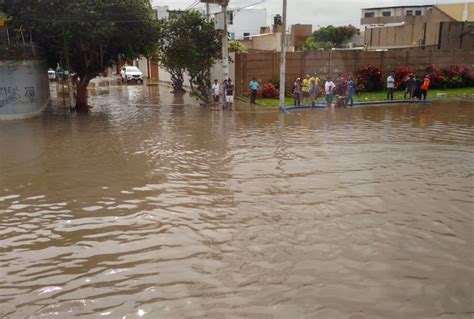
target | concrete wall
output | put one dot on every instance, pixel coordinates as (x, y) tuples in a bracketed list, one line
[(24, 89), (417, 30), (265, 66), (267, 42), (445, 35), (450, 34)]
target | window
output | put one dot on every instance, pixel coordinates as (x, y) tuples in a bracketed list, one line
[(230, 18), (386, 13), (369, 15), (246, 35), (418, 12), (409, 12)]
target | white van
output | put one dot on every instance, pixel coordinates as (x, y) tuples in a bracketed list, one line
[(51, 75)]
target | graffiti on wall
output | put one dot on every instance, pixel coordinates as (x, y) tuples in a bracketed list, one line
[(8, 95), (30, 93)]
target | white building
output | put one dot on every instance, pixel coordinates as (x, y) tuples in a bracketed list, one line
[(241, 23), (161, 12), (245, 23)]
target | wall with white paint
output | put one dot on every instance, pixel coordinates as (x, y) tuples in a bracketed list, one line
[(24, 89)]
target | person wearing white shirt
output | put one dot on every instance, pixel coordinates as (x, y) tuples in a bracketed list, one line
[(390, 86), (329, 89), (215, 88)]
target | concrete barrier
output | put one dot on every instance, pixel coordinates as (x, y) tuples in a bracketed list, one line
[(24, 89)]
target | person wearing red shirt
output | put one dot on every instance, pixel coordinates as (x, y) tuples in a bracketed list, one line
[(425, 86)]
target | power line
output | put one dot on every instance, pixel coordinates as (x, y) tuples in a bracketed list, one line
[(192, 5)]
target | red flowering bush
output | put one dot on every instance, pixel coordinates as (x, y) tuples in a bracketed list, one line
[(438, 81), (401, 76), (370, 78), (458, 76), (268, 91), (469, 77)]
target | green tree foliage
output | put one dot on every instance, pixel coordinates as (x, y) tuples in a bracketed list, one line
[(336, 36), (89, 34), (237, 47), (191, 44), (311, 45), (469, 29)]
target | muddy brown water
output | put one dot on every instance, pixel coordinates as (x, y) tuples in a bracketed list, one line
[(148, 208)]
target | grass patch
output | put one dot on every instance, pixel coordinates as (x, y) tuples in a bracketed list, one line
[(381, 96)]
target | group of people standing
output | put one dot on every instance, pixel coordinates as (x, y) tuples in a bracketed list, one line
[(414, 88), (308, 90), (228, 92), (341, 91), (417, 88)]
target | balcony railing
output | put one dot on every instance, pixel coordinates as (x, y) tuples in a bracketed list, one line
[(18, 47)]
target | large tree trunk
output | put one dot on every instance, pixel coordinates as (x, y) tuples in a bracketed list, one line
[(201, 86), (177, 81), (81, 100)]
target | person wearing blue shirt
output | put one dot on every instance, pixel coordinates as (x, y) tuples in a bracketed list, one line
[(351, 89), (253, 86)]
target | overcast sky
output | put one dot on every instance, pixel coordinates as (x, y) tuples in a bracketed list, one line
[(316, 12)]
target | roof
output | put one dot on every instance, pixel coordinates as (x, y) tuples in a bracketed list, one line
[(397, 7), (457, 11)]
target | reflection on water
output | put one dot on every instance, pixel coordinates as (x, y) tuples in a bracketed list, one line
[(157, 208)]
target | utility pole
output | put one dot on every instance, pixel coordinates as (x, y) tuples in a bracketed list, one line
[(208, 12), (225, 40), (283, 59), (225, 43)]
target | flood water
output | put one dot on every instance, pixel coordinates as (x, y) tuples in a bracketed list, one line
[(148, 208)]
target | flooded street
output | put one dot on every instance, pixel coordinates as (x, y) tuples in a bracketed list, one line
[(155, 207)]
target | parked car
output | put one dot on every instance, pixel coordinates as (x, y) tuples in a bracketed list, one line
[(131, 73), (51, 75)]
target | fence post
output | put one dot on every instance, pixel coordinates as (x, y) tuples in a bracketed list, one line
[(302, 73), (382, 56), (356, 56), (273, 66), (330, 64)]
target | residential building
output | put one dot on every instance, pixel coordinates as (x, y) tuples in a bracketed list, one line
[(245, 23), (269, 39), (299, 34), (241, 23), (429, 26), (161, 12)]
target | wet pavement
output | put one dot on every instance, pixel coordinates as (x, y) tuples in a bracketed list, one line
[(155, 207)]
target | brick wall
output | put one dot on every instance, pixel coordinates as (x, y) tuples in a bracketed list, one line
[(265, 66)]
